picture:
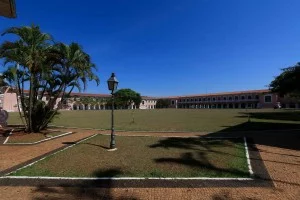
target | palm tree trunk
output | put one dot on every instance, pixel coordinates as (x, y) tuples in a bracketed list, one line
[(30, 104), (18, 102), (44, 125)]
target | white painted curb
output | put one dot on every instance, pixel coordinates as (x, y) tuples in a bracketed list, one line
[(248, 157), (8, 136), (51, 138), (123, 178)]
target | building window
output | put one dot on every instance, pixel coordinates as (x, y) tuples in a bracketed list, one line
[(224, 98), (173, 102), (242, 97), (143, 102), (187, 100), (256, 97), (230, 98), (268, 99), (204, 99), (219, 98), (249, 97), (214, 99), (236, 98), (208, 99)]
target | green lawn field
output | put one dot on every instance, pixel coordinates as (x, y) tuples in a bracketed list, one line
[(146, 157), (201, 120)]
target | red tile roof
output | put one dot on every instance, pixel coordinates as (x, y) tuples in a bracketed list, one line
[(176, 97), (220, 94), (89, 94)]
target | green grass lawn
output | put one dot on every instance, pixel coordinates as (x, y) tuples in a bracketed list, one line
[(146, 157), (33, 137), (202, 120)]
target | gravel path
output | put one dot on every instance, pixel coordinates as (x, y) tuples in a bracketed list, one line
[(283, 165)]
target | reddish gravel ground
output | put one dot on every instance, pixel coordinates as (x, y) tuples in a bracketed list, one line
[(281, 161)]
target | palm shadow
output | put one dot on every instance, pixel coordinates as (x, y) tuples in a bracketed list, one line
[(97, 189), (201, 163), (283, 116)]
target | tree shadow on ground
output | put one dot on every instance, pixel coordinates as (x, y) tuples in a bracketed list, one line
[(284, 116), (281, 135), (255, 132), (192, 143), (102, 146), (198, 157), (201, 162), (84, 190)]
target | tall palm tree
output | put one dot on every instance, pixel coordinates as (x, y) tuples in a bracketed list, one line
[(50, 69), (72, 69), (29, 50)]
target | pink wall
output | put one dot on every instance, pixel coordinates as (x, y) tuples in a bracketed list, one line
[(10, 102), (268, 105)]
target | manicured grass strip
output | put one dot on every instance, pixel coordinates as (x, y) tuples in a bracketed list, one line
[(146, 157), (34, 137), (198, 120)]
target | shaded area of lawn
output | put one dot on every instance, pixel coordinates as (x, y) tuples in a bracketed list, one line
[(146, 157), (280, 135), (284, 115)]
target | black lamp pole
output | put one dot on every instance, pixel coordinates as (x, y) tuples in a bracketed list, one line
[(112, 83), (112, 135)]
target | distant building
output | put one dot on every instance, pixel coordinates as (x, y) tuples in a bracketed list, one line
[(241, 99), (148, 102), (249, 99)]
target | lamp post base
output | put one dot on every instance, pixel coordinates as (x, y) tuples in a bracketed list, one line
[(114, 149)]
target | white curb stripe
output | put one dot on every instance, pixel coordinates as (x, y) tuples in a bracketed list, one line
[(51, 154), (123, 178), (165, 136), (41, 140), (248, 157), (8, 136)]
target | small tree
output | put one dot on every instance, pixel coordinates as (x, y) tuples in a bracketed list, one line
[(126, 97), (288, 82), (163, 103)]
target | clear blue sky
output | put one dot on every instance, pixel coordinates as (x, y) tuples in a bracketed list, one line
[(174, 47)]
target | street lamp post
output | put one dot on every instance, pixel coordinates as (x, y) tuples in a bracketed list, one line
[(112, 83)]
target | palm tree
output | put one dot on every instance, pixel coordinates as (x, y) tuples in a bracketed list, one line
[(50, 69), (74, 70), (29, 50)]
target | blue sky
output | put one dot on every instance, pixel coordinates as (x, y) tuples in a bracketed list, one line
[(174, 47)]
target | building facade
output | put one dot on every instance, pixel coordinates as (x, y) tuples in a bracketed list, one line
[(239, 100), (251, 99)]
